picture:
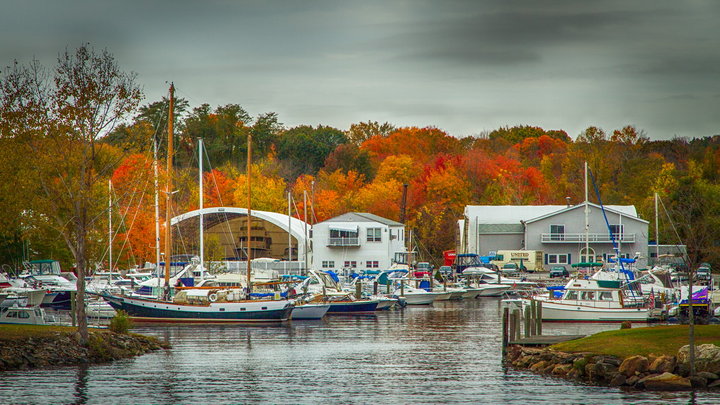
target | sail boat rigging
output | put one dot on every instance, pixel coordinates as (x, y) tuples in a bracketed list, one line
[(220, 305)]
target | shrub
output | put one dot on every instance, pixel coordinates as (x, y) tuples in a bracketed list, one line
[(121, 322), (626, 325)]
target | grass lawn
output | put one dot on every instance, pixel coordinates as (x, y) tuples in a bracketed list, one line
[(659, 340), (14, 332)]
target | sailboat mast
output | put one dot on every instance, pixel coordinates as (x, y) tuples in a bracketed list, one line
[(657, 232), (289, 228), (110, 235), (249, 214), (305, 250), (168, 205), (200, 180), (587, 218), (157, 202)]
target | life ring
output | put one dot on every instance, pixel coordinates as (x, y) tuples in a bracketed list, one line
[(212, 297)]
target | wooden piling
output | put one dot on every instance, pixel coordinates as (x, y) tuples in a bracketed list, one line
[(516, 324), (402, 288), (527, 321), (73, 307), (505, 321), (538, 318), (358, 289), (375, 287)]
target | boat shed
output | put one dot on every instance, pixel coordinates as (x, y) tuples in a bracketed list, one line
[(272, 235), (556, 230)]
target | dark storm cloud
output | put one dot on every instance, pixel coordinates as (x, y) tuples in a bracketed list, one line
[(465, 66)]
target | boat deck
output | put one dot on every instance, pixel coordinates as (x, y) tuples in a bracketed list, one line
[(545, 340)]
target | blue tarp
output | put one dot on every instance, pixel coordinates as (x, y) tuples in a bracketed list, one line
[(333, 276), (425, 285)]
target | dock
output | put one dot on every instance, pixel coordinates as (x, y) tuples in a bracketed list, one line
[(544, 340)]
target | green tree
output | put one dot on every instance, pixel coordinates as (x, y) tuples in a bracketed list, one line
[(362, 131), (304, 148)]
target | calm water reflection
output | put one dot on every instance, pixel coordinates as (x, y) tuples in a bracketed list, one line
[(446, 353)]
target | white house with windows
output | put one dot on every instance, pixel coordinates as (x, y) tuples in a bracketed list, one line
[(357, 241), (556, 230)]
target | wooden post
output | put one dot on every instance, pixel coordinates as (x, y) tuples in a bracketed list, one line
[(358, 289), (538, 318), (527, 321), (375, 287), (517, 314), (533, 306), (73, 313), (402, 288), (505, 320), (388, 287), (513, 330)]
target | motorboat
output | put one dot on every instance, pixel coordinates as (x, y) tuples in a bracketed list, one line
[(592, 300), (34, 315), (310, 311), (418, 296)]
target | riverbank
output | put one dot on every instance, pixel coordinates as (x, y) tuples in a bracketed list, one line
[(31, 346), (651, 358)]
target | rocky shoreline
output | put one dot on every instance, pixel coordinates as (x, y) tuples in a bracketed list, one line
[(654, 373), (61, 348)]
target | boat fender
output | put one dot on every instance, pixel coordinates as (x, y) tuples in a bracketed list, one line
[(212, 297)]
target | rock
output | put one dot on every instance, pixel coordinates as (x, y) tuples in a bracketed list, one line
[(631, 380), (714, 385), (540, 365), (574, 374), (618, 380), (663, 364), (561, 370), (549, 369), (707, 357), (666, 382), (708, 375), (697, 382), (633, 365)]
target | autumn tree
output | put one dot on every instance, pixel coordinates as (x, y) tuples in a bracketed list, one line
[(362, 131), (57, 119)]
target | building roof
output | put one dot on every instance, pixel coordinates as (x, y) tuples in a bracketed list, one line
[(628, 211), (514, 214), (216, 215), (362, 217)]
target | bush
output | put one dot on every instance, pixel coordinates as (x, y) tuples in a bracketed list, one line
[(626, 325), (121, 322)]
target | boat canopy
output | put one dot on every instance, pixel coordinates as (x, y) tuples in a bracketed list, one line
[(586, 264)]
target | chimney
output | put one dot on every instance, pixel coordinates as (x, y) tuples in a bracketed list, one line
[(568, 201)]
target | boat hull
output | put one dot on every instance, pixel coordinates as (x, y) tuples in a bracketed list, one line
[(418, 299), (141, 310), (558, 312), (352, 307), (493, 290), (310, 311)]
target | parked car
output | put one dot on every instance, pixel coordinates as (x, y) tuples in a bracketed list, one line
[(559, 271), (703, 273), (510, 269)]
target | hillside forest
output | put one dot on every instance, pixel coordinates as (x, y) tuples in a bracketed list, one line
[(361, 168)]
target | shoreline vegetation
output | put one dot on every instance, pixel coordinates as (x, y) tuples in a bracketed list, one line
[(33, 346), (650, 358)]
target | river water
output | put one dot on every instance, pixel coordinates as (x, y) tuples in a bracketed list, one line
[(445, 353)]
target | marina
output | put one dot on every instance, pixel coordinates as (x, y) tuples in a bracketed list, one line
[(447, 352)]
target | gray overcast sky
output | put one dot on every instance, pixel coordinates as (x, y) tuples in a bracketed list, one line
[(462, 66)]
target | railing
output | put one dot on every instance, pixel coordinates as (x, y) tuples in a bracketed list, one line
[(591, 237), (355, 241)]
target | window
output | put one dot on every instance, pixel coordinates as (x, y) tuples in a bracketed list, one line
[(374, 234), (557, 232), (350, 264), (372, 264), (328, 264), (571, 295), (558, 258), (617, 231), (606, 296)]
